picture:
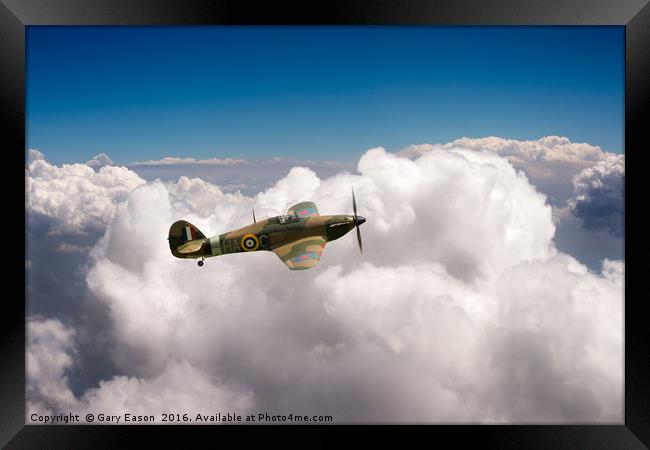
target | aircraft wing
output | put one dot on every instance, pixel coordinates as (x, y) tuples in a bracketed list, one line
[(304, 209), (301, 254)]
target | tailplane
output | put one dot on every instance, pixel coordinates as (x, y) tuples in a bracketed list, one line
[(181, 235)]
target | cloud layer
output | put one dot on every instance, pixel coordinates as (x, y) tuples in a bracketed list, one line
[(232, 175), (172, 160), (548, 148), (461, 309)]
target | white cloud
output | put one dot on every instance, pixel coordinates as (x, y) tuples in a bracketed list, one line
[(248, 177), (512, 350), (278, 161), (548, 162), (583, 184), (100, 160), (50, 350), (614, 270), (173, 160), (65, 247), (548, 148), (74, 197), (34, 155), (179, 385), (460, 309), (195, 196), (599, 194)]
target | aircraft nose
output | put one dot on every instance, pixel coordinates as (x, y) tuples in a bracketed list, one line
[(360, 220)]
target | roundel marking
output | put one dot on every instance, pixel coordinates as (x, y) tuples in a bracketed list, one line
[(249, 242)]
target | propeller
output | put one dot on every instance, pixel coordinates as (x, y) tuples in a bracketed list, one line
[(358, 220)]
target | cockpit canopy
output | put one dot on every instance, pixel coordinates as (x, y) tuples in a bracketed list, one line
[(288, 218)]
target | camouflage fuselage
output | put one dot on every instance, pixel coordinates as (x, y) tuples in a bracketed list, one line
[(267, 234)]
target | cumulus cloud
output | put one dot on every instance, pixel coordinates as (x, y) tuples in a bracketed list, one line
[(549, 162), (50, 353), (34, 155), (179, 385), (500, 353), (100, 160), (548, 148), (76, 198), (583, 184), (460, 309), (599, 195)]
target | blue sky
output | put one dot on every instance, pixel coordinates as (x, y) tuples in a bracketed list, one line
[(139, 93)]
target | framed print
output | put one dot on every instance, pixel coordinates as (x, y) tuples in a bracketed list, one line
[(352, 214)]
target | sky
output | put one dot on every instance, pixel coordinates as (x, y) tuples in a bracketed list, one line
[(142, 93), (487, 161)]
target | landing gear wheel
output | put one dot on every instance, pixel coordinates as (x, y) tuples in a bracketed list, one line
[(201, 263)]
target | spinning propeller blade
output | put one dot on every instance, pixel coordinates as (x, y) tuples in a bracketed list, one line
[(357, 221), (359, 239)]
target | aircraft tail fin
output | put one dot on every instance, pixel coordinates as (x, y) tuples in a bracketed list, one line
[(180, 233)]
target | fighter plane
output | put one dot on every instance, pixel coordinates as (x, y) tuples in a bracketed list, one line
[(297, 237)]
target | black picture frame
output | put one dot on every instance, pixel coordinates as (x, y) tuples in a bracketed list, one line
[(15, 15)]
